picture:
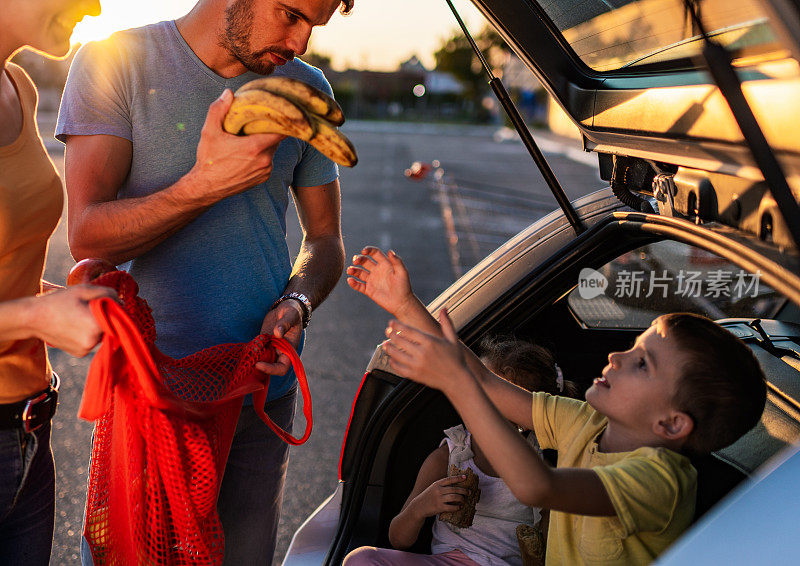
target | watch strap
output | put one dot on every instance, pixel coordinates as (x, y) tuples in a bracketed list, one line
[(305, 304)]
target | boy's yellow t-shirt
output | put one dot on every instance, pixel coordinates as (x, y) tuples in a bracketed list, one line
[(653, 490)]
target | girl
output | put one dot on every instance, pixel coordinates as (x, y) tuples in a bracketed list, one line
[(492, 538)]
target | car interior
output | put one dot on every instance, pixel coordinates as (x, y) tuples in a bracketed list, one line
[(580, 347)]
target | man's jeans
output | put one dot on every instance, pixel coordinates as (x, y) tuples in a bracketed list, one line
[(27, 497), (250, 499), (252, 490)]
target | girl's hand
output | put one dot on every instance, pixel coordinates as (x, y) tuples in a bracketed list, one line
[(424, 358), (442, 496), (382, 278)]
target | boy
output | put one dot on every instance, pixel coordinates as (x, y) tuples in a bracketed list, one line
[(624, 489)]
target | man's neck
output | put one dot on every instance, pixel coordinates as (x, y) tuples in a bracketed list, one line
[(201, 29)]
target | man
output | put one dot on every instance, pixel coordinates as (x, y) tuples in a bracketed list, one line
[(197, 216)]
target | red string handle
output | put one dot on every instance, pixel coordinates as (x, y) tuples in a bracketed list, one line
[(121, 333), (260, 397)]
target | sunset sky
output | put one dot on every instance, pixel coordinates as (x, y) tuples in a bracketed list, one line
[(378, 34)]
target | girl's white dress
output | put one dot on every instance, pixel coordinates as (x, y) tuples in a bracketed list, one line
[(492, 538)]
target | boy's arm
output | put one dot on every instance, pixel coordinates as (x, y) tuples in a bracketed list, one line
[(385, 279), (439, 363), (433, 493)]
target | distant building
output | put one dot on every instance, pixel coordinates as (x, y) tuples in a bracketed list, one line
[(376, 94)]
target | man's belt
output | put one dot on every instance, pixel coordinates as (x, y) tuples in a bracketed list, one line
[(33, 412)]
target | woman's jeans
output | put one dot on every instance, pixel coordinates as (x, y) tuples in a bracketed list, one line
[(27, 497)]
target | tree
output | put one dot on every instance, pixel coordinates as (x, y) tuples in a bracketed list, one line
[(457, 57)]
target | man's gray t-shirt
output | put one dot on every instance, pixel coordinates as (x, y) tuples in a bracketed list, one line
[(214, 280)]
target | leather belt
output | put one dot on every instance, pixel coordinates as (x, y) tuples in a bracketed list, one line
[(33, 412)]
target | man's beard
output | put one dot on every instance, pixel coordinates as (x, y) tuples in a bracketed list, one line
[(239, 18)]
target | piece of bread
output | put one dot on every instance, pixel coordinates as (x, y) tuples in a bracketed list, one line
[(463, 516), (531, 545)]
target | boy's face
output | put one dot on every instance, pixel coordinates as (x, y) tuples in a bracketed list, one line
[(264, 34), (637, 386)]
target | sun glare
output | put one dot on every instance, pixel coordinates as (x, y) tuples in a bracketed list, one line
[(377, 35), (122, 14), (92, 29)]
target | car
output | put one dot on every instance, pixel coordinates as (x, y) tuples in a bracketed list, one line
[(697, 217)]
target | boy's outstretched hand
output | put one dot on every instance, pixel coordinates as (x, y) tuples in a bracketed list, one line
[(425, 358), (383, 278)]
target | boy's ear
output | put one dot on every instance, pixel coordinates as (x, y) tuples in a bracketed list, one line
[(676, 426)]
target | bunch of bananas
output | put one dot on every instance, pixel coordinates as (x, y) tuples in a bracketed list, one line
[(287, 106)]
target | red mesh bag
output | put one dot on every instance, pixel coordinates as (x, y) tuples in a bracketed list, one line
[(163, 431)]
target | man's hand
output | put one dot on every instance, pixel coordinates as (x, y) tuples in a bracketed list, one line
[(63, 318), (442, 496), (383, 278), (425, 358), (284, 321), (228, 164)]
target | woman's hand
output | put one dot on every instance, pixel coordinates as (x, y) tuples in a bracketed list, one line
[(64, 320)]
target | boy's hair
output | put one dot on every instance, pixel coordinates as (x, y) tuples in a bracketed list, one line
[(525, 364), (347, 5), (722, 386)]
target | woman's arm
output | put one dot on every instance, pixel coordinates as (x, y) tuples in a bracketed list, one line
[(60, 318)]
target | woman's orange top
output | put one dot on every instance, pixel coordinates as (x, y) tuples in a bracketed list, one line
[(31, 200)]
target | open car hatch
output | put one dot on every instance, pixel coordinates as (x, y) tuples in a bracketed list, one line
[(633, 76)]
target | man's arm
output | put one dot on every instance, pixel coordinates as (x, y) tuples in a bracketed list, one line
[(439, 363), (316, 269), (100, 225)]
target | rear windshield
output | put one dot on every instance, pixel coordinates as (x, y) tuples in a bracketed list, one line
[(612, 34)]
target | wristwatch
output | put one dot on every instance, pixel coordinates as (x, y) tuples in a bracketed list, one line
[(305, 304)]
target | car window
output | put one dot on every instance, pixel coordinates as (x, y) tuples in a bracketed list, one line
[(637, 286), (612, 34)]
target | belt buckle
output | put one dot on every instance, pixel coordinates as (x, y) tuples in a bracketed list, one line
[(26, 412)]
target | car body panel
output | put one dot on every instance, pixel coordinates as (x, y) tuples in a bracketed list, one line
[(757, 524), (312, 539)]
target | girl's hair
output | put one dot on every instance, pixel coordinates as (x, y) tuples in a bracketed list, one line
[(525, 364)]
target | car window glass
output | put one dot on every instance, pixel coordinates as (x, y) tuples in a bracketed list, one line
[(637, 286), (611, 34)]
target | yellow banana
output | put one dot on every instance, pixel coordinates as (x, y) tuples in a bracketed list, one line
[(267, 126), (262, 106), (261, 111), (333, 143), (304, 95)]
